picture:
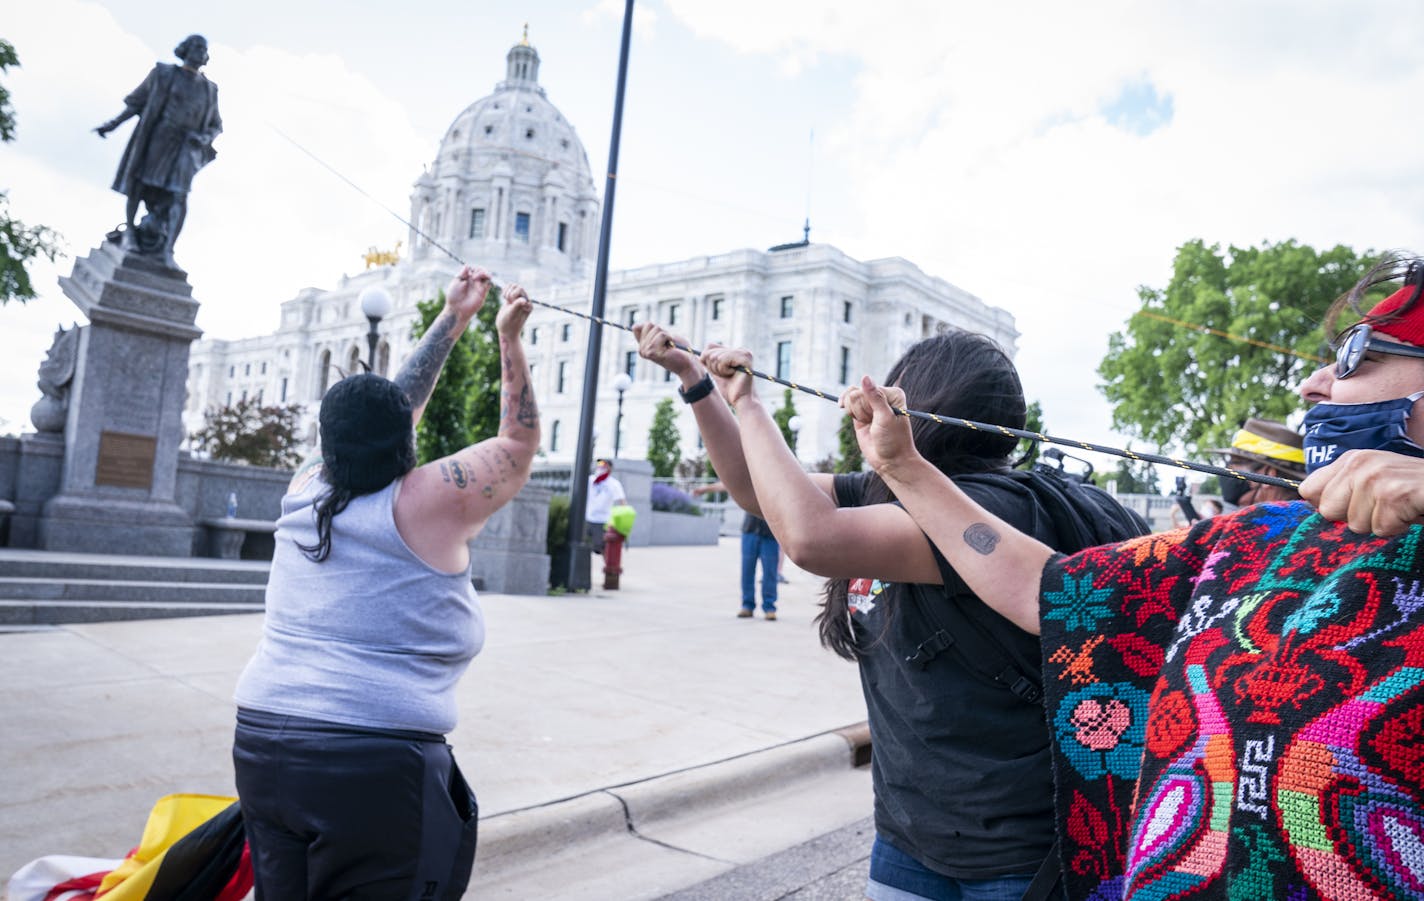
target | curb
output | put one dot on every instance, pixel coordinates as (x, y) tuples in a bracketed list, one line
[(510, 840)]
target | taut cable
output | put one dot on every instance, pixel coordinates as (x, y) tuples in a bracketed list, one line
[(1207, 468)]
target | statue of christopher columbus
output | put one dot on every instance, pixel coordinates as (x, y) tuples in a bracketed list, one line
[(177, 108)]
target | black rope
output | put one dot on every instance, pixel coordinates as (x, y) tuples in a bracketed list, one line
[(1207, 468)]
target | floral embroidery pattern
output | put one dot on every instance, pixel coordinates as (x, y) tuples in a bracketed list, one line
[(1102, 728), (1079, 604), (1238, 712)]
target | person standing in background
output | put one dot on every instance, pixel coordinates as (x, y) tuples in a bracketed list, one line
[(604, 493)]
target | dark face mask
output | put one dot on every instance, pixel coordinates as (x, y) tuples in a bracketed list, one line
[(1332, 429), (1233, 490)]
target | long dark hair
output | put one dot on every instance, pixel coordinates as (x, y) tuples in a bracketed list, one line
[(332, 502), (960, 374), (367, 442)]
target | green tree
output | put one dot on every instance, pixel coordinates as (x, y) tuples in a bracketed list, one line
[(19, 243), (783, 415), (248, 432), (484, 396), (464, 406), (1172, 376), (850, 459), (1033, 422), (663, 450)]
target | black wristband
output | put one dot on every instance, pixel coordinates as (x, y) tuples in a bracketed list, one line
[(698, 391)]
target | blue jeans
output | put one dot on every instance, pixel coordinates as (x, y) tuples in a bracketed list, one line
[(896, 876), (754, 548)]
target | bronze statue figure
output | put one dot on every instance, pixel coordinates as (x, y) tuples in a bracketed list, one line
[(177, 108)]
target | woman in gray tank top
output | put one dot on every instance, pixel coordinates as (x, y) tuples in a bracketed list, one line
[(347, 785)]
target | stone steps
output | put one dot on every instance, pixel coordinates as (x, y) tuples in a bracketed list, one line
[(70, 589), (16, 563), (39, 588), (16, 615)]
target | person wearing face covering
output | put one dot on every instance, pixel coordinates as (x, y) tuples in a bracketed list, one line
[(1333, 427), (604, 493), (1268, 448), (1235, 707)]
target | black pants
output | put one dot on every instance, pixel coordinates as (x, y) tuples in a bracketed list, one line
[(336, 811)]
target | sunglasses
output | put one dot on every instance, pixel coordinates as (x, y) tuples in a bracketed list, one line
[(1351, 347)]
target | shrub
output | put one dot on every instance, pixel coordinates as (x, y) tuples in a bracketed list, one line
[(558, 535), (248, 432), (670, 500)]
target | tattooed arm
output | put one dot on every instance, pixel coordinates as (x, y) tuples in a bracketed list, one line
[(1000, 564), (463, 300), (444, 504), (518, 411)]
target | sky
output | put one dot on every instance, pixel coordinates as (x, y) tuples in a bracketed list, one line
[(1047, 157)]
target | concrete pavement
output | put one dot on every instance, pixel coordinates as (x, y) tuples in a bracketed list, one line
[(622, 744)]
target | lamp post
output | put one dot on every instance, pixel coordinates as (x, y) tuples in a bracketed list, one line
[(376, 304), (578, 575), (621, 382), (794, 424)]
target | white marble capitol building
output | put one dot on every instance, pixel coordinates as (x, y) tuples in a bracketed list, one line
[(511, 188)]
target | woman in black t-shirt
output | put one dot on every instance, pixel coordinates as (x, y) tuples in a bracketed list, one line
[(963, 786)]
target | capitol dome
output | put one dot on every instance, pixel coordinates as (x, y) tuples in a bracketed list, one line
[(510, 187)]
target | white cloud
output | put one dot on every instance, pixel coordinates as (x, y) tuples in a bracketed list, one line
[(983, 156)]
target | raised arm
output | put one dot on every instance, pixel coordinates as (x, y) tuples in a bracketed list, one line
[(1000, 564), (446, 502), (486, 475), (463, 300), (714, 418), (878, 541)]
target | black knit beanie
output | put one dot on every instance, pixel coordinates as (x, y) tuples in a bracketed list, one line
[(367, 438)]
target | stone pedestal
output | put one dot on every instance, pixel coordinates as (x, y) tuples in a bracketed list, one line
[(124, 425), (508, 557)]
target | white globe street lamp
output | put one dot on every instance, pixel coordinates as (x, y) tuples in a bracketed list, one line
[(376, 303)]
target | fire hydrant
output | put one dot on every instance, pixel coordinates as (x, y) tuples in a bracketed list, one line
[(620, 526), (612, 557)]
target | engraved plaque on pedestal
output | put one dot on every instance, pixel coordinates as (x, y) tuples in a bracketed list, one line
[(126, 461)]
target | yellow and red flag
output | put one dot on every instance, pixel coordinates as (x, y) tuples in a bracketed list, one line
[(193, 847)]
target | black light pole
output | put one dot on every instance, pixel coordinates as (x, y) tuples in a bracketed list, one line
[(376, 304), (579, 577), (622, 382)]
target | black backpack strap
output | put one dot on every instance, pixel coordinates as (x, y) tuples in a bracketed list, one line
[(1074, 510), (1046, 879), (931, 647), (988, 655)]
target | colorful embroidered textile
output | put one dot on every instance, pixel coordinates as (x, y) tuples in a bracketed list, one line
[(1239, 711)]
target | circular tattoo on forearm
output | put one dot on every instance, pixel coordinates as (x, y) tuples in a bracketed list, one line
[(981, 538)]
